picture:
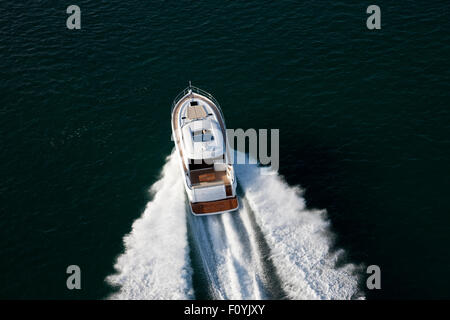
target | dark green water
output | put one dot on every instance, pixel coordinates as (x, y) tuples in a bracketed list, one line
[(363, 118)]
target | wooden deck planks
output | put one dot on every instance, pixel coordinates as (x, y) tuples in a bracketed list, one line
[(198, 177), (214, 206)]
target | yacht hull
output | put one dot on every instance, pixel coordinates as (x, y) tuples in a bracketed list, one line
[(211, 189)]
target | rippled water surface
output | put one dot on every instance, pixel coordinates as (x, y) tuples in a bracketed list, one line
[(84, 130)]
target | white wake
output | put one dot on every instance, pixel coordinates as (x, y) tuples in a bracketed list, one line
[(156, 263), (299, 239), (230, 255)]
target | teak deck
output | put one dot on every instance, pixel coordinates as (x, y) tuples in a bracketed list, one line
[(208, 176), (214, 206)]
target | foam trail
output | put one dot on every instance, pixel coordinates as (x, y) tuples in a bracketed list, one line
[(229, 256), (156, 263), (299, 239)]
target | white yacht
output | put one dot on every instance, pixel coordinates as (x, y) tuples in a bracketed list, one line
[(199, 133)]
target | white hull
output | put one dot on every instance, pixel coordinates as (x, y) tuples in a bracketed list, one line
[(199, 133)]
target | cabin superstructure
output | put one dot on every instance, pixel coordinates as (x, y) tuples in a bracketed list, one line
[(199, 134)]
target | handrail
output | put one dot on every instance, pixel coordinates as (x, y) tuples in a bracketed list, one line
[(193, 89)]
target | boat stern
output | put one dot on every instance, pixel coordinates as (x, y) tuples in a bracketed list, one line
[(214, 207)]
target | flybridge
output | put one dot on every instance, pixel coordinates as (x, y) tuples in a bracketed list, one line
[(203, 139)]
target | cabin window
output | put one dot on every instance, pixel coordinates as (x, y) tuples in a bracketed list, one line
[(199, 164), (209, 164)]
